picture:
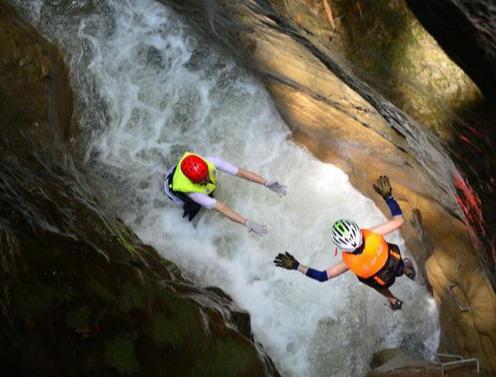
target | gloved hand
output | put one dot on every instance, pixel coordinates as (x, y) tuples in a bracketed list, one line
[(383, 187), (256, 228), (286, 261), (275, 186)]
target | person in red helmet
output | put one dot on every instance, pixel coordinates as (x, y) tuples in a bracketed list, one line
[(195, 168), (192, 182)]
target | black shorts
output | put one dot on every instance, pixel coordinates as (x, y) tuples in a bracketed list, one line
[(388, 274)]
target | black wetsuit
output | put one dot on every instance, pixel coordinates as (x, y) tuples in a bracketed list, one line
[(190, 207)]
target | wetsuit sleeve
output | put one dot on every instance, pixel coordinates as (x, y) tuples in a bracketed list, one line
[(169, 172), (223, 165), (202, 199), (317, 275), (394, 207)]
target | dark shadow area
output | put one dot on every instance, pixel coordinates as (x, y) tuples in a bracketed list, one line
[(473, 150)]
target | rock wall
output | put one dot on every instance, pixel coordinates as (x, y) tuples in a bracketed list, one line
[(80, 294), (342, 118), (466, 30)]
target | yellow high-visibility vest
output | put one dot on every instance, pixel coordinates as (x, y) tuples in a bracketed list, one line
[(181, 183)]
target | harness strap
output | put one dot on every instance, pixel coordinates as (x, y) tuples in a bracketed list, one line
[(379, 280), (394, 254)]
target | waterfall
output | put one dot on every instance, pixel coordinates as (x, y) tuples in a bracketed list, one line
[(149, 88)]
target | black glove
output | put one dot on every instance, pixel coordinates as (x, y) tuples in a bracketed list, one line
[(383, 187), (286, 261)]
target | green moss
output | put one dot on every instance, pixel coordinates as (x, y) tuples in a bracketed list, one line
[(78, 318), (179, 327), (376, 34), (127, 245), (100, 291), (165, 330), (120, 354), (132, 297), (33, 298), (226, 358)]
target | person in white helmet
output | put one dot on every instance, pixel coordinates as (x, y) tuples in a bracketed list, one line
[(374, 261)]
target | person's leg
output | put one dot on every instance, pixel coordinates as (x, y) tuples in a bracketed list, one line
[(191, 209), (404, 265), (394, 303), (409, 269)]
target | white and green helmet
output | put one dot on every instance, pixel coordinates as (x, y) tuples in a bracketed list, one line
[(346, 235)]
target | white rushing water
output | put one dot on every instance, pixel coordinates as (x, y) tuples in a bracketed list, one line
[(151, 88)]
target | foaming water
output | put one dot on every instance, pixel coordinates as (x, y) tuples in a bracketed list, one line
[(151, 88)]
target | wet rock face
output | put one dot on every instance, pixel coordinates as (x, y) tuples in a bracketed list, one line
[(406, 111), (384, 44), (80, 294), (32, 75), (466, 30)]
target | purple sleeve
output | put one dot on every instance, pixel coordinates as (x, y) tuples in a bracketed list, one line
[(223, 165), (202, 199)]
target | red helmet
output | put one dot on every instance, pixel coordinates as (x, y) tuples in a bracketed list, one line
[(195, 168)]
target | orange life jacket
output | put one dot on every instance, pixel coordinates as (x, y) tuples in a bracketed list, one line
[(373, 257)]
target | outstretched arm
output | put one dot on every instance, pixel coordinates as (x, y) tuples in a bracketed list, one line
[(389, 226), (275, 186), (251, 176), (383, 188), (333, 271), (229, 213), (229, 168), (232, 215), (289, 262)]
